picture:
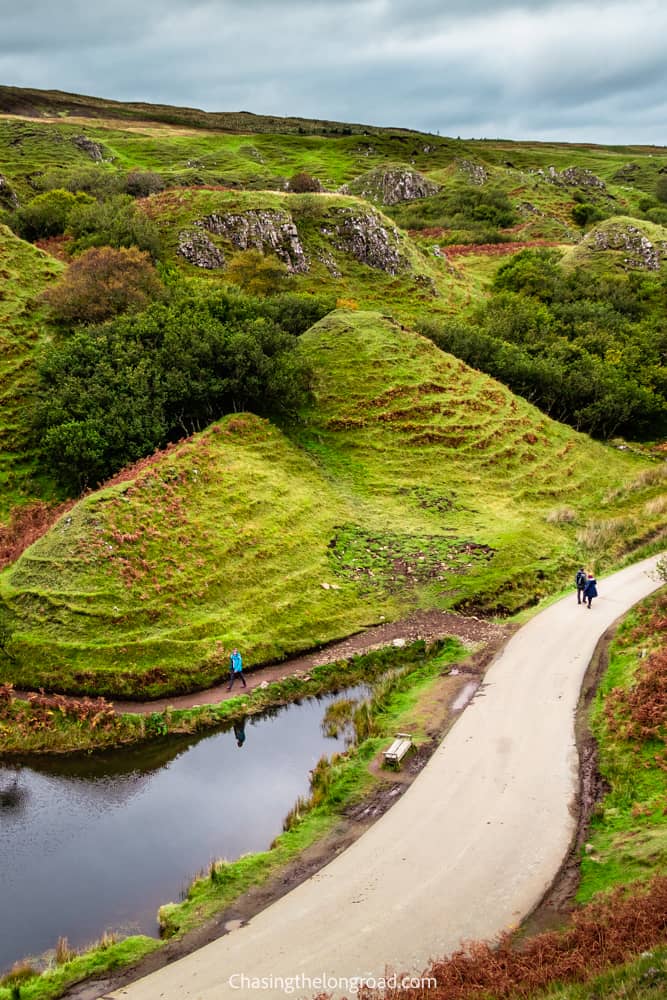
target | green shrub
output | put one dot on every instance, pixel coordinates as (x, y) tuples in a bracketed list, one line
[(116, 222), (48, 214)]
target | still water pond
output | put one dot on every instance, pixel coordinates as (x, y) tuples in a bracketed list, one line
[(95, 842)]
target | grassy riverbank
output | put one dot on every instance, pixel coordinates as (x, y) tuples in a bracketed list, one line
[(402, 675), (52, 724)]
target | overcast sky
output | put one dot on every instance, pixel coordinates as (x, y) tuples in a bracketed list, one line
[(576, 70)]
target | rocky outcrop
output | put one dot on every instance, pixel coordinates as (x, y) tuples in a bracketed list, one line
[(363, 235), (261, 229), (8, 197), (475, 172), (572, 177), (638, 249), (196, 247), (90, 148), (388, 187), (628, 172)]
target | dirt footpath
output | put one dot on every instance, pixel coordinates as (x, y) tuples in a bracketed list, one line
[(428, 625), (467, 851)]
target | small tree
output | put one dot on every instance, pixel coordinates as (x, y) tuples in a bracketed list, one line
[(303, 183), (141, 183), (104, 282), (661, 188), (116, 222)]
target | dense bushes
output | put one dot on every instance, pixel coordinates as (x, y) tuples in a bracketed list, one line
[(112, 394), (115, 222), (588, 351), (471, 207)]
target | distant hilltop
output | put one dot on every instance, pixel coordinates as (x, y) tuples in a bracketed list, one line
[(31, 103)]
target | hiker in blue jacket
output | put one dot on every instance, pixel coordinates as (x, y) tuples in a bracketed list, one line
[(590, 590), (580, 583), (235, 668)]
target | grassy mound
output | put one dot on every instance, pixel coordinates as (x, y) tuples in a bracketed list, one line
[(332, 243), (621, 243), (412, 481), (146, 585), (437, 450), (24, 272)]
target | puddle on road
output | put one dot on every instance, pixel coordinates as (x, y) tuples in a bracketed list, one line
[(465, 695)]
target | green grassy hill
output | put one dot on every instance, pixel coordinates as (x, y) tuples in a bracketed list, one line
[(412, 481), (25, 271)]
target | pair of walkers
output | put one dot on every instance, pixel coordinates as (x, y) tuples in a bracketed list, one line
[(586, 585)]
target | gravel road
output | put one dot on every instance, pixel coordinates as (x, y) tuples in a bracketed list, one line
[(465, 853)]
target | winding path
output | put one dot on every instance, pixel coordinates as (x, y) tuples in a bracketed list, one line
[(465, 853)]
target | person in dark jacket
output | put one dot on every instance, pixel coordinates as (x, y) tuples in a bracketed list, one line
[(580, 584), (235, 668), (590, 590)]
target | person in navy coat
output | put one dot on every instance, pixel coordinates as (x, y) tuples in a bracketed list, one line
[(590, 590)]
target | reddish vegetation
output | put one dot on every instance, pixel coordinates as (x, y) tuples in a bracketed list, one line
[(488, 249), (26, 525), (40, 711), (55, 246), (639, 713), (606, 932)]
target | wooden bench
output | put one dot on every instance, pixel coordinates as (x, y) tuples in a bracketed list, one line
[(398, 749)]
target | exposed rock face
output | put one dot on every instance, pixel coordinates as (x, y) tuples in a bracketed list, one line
[(330, 263), (572, 177), (8, 198), (262, 230), (627, 172), (364, 236), (475, 172), (86, 145), (391, 186), (641, 253), (196, 247)]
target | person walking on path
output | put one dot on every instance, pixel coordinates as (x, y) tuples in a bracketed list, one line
[(590, 590), (235, 668), (580, 583)]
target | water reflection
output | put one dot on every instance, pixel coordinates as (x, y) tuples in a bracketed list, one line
[(100, 841)]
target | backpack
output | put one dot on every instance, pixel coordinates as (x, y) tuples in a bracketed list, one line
[(580, 579)]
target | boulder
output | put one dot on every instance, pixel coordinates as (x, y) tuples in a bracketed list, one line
[(8, 197), (86, 145)]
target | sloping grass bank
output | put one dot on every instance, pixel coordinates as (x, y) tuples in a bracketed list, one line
[(628, 833), (412, 481)]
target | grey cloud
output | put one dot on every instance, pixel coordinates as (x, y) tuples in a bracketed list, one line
[(472, 67)]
